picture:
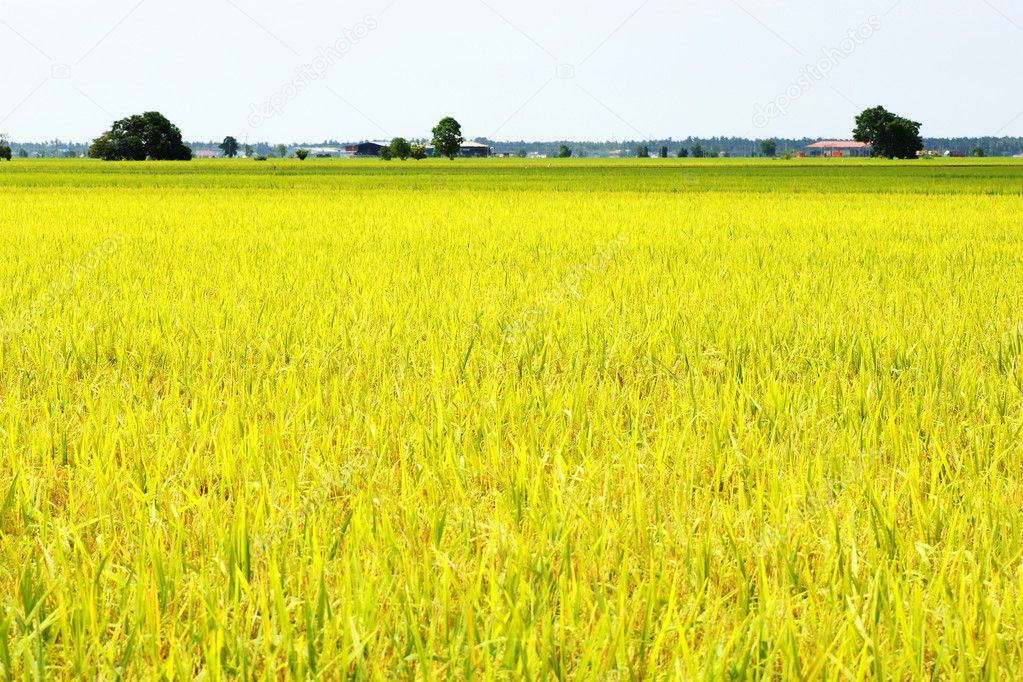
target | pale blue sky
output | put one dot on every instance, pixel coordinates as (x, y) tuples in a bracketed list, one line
[(310, 70)]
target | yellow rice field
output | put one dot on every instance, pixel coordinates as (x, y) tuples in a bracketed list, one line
[(511, 420)]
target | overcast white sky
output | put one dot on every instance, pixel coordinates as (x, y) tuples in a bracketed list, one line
[(522, 69)]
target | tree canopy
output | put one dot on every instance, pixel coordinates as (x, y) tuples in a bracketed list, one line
[(892, 136), (400, 148), (447, 138), (137, 138), (5, 149), (230, 147)]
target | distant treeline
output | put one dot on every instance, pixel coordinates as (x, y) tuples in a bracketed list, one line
[(736, 146), (710, 146), (60, 149)]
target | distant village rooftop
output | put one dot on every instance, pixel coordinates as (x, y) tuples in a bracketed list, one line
[(468, 149), (839, 148), (838, 144)]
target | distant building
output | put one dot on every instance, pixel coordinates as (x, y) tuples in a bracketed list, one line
[(475, 150), (365, 148), (205, 154), (838, 148), (469, 150), (324, 152)]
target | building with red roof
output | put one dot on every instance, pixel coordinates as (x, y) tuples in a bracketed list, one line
[(839, 148)]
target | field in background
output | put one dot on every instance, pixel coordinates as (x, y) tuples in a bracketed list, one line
[(853, 176), (511, 419)]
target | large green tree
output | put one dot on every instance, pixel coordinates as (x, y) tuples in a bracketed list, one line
[(400, 148), (5, 149), (137, 138), (892, 136), (230, 147), (769, 148), (447, 138)]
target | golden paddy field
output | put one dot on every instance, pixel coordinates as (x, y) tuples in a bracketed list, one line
[(511, 420)]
